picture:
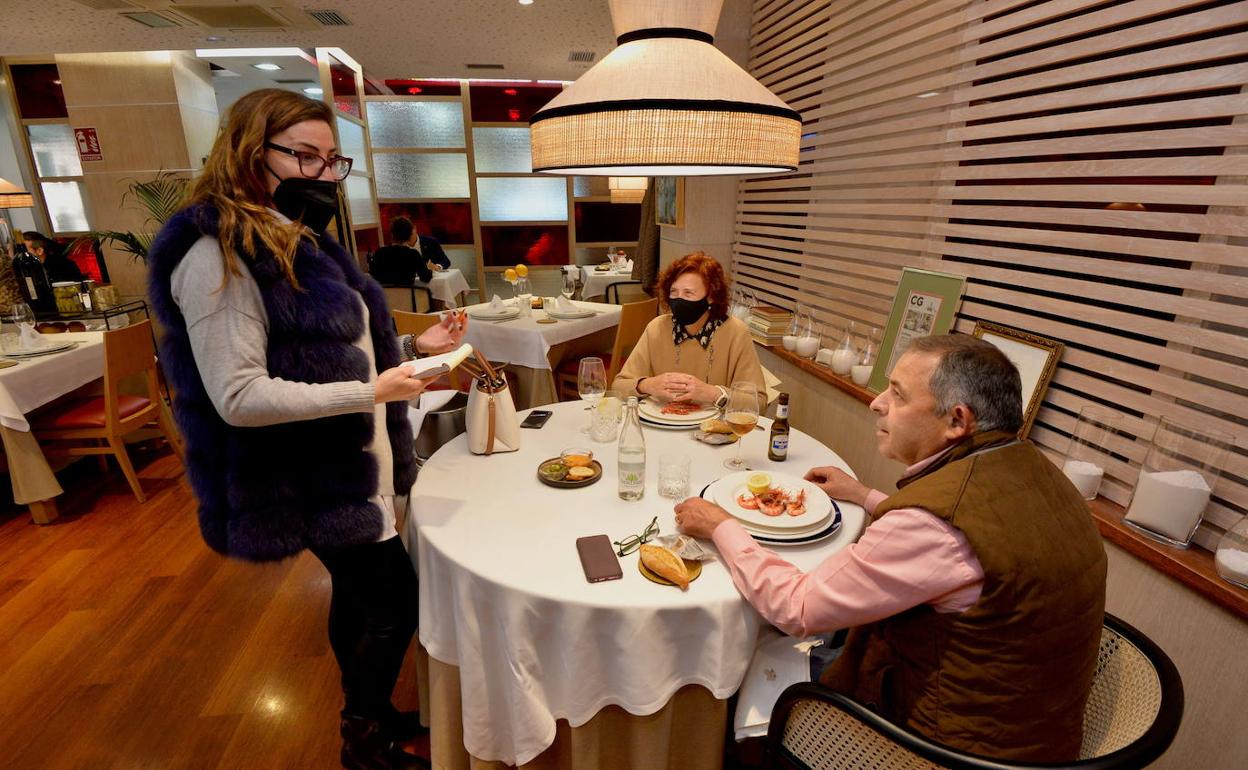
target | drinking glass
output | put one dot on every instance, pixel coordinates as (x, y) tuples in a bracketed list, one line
[(591, 384), (605, 417), (741, 415), (21, 313), (569, 285), (674, 476)]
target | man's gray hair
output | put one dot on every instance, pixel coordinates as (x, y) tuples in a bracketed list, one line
[(975, 373)]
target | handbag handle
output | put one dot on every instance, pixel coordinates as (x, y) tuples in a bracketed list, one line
[(489, 435)]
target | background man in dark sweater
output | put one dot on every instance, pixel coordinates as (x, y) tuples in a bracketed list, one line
[(409, 257)]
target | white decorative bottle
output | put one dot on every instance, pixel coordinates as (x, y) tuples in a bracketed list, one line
[(632, 454)]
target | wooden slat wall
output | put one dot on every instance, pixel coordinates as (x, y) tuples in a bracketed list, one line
[(1082, 162)]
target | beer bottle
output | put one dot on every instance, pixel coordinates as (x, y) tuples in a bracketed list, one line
[(778, 446)]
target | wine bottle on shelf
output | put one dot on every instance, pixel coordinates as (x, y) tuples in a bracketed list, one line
[(778, 445), (32, 279)]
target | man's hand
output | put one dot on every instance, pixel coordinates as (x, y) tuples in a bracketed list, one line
[(699, 518), (444, 337), (398, 384), (839, 484)]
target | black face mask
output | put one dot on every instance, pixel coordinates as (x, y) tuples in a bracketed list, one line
[(313, 202), (686, 311)]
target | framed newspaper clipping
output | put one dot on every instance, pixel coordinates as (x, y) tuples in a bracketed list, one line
[(925, 304)]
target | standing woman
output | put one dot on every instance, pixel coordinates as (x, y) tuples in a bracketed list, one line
[(284, 363)]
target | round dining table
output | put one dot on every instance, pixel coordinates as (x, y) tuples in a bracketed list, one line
[(524, 654)]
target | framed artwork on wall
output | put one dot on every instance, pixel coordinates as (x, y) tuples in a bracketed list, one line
[(1036, 358), (925, 304), (669, 201)]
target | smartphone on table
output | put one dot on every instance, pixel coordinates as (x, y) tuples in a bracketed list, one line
[(598, 559), (536, 419)]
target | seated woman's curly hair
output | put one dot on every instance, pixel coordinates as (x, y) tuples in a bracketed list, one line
[(712, 274)]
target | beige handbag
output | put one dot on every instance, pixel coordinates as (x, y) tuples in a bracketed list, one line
[(491, 421)]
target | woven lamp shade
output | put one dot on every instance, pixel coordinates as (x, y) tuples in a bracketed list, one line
[(14, 197), (666, 102)]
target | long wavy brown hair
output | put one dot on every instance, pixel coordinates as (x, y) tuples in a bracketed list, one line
[(233, 177), (712, 274)]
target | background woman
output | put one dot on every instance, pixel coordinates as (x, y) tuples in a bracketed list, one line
[(284, 363), (694, 352)]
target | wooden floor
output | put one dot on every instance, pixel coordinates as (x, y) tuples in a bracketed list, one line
[(126, 643)]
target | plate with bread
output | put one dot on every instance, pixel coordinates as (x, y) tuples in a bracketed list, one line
[(573, 468)]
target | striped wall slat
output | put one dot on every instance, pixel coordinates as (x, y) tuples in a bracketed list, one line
[(1083, 163)]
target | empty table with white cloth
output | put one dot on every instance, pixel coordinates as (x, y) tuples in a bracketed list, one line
[(524, 654), (446, 286), (594, 282), (535, 349), (32, 383)]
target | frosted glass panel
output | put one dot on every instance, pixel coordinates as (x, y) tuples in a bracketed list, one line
[(65, 206), (585, 186), (421, 175), (360, 200), (54, 150), (416, 124), (351, 141), (502, 150), (523, 200)]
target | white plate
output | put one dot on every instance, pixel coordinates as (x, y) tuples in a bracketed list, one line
[(668, 425), (818, 504), (487, 315), (42, 351), (582, 313), (822, 532), (653, 410)]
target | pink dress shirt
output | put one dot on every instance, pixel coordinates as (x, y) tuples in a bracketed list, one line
[(906, 558)]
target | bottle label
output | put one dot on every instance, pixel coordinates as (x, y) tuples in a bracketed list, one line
[(30, 284), (780, 444), (782, 411)]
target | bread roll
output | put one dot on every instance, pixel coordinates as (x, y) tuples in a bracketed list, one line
[(715, 425), (665, 564)]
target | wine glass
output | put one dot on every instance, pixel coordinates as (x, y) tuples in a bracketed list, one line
[(21, 316), (591, 383), (741, 414), (569, 284)]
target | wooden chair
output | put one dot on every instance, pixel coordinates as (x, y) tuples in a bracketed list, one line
[(1132, 715), (105, 420), (629, 291), (633, 319), (408, 297)]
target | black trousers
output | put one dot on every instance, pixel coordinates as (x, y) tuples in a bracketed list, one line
[(372, 618)]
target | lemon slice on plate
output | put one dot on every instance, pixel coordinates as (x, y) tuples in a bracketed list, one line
[(758, 483)]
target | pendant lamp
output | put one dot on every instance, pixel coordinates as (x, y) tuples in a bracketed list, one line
[(14, 197), (665, 102)]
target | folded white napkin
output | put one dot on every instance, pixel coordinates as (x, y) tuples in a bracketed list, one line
[(28, 338), (564, 305), (496, 304), (429, 401), (778, 662), (626, 266)]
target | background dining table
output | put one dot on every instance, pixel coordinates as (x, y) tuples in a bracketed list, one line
[(30, 384), (530, 665), (446, 286), (594, 282), (534, 350)]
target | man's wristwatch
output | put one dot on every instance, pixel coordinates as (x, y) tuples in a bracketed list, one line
[(722, 401)]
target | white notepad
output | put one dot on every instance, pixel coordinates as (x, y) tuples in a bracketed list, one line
[(436, 366)]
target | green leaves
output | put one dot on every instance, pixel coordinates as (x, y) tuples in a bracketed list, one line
[(160, 198)]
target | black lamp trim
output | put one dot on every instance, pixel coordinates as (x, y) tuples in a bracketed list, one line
[(675, 105), (777, 167), (656, 32)]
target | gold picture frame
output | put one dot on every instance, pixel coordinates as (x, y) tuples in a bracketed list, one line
[(669, 201), (1036, 358)]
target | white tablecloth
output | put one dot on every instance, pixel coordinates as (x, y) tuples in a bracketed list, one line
[(447, 285), (36, 381), (594, 283), (503, 596), (525, 342)]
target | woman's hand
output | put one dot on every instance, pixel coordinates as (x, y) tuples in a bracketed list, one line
[(676, 386), (444, 337), (398, 384)]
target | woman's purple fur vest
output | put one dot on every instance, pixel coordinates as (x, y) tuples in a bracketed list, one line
[(269, 492)]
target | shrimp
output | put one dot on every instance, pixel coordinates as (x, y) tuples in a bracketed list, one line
[(748, 501), (797, 505), (771, 503)]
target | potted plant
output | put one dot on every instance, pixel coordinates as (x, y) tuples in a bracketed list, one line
[(161, 198)]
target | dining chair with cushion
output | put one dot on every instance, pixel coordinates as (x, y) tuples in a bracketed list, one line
[(413, 299), (633, 319), (98, 425), (1131, 717)]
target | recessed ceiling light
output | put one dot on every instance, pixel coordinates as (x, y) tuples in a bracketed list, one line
[(313, 91), (213, 39), (526, 2), (267, 66), (928, 94)]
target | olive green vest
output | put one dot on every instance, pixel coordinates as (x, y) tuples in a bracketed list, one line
[(1008, 677)]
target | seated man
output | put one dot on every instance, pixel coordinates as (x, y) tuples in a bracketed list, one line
[(58, 266), (409, 257), (976, 595)]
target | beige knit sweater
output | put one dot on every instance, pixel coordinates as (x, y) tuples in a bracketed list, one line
[(729, 358)]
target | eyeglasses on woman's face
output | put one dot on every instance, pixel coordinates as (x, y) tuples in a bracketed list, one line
[(312, 165)]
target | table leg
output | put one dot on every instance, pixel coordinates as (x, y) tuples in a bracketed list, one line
[(34, 484)]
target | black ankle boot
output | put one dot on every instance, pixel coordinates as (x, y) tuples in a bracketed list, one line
[(403, 725), (366, 746)]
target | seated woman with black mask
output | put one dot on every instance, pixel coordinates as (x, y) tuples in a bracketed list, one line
[(695, 351)]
